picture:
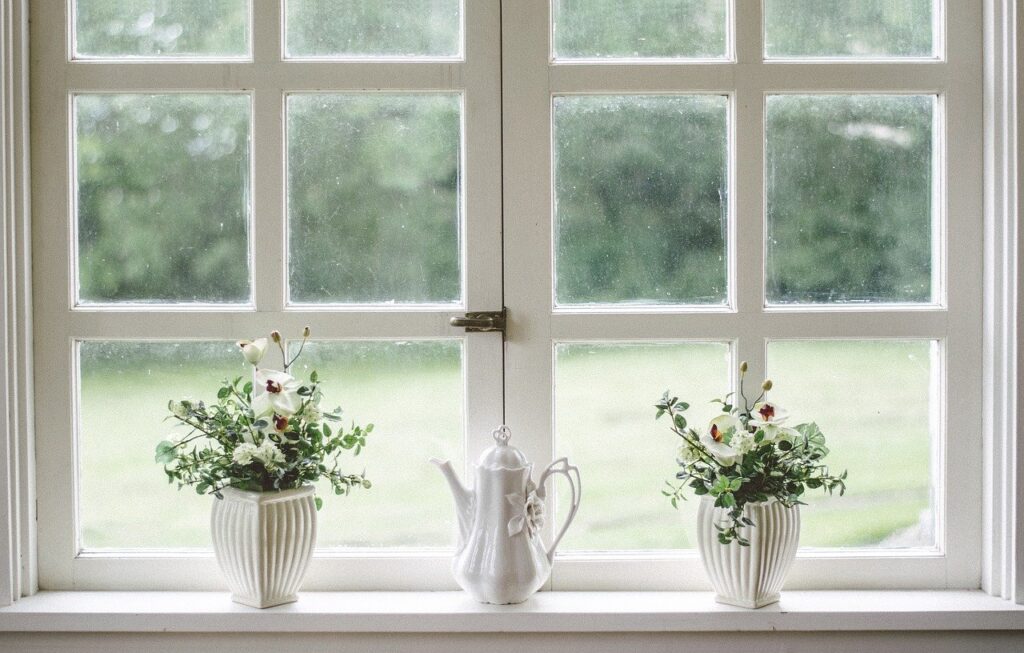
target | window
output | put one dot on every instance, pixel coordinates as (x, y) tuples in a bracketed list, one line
[(657, 189)]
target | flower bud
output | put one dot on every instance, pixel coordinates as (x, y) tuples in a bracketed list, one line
[(253, 350), (767, 385), (306, 332), (743, 367), (275, 336)]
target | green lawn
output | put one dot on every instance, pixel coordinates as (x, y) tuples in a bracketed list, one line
[(871, 399)]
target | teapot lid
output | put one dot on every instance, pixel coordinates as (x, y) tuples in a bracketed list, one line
[(502, 455)]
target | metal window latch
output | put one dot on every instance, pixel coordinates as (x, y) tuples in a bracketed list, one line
[(482, 321)]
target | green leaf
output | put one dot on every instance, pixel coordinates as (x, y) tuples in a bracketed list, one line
[(317, 500), (165, 452), (313, 378)]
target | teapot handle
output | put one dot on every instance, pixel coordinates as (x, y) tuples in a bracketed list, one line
[(572, 473)]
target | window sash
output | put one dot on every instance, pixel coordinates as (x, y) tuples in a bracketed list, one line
[(268, 79), (747, 322)]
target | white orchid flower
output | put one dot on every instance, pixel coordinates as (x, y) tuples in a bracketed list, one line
[(253, 350), (766, 413), (724, 424), (773, 433), (276, 393), (723, 453)]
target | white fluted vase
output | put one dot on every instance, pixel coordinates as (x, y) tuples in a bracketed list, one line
[(749, 576), (264, 542)]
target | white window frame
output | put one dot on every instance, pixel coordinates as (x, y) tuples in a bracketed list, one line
[(1003, 463), (267, 77), (747, 322)]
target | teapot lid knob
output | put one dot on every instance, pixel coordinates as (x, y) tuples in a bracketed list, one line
[(502, 435)]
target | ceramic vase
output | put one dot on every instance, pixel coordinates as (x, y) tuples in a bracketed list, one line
[(749, 576), (264, 542)]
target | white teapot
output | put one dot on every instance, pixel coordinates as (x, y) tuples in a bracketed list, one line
[(500, 557)]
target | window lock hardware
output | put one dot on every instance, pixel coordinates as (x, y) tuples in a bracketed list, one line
[(482, 321)]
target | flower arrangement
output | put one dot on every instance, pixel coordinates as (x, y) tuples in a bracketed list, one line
[(269, 433), (747, 455)]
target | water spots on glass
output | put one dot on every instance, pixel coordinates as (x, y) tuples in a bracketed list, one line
[(157, 28), (640, 200), (849, 198), (162, 212)]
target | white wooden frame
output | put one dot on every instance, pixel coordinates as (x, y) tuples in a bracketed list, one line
[(268, 78), (1004, 461), (17, 471), (746, 322)]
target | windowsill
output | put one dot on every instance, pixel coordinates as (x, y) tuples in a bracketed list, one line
[(455, 612)]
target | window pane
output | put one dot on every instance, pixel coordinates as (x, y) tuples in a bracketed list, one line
[(876, 403), (158, 28), (849, 185), (125, 387), (413, 394), (163, 197), (849, 28), (604, 408), (371, 28), (641, 206), (125, 500), (630, 29), (374, 198)]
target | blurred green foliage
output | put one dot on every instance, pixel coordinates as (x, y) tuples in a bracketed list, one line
[(848, 28), (362, 28), (375, 179), (163, 197), (849, 191), (154, 28), (641, 198), (373, 197), (593, 29)]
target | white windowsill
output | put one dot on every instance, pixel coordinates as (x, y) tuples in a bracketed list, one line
[(453, 612)]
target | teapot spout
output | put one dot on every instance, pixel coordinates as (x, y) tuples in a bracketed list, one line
[(463, 498)]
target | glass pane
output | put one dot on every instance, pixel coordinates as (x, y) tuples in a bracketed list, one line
[(373, 198), (876, 403), (159, 28), (163, 198), (413, 394), (373, 29), (124, 499), (604, 407), (125, 387), (849, 185), (849, 28), (641, 199), (632, 29)]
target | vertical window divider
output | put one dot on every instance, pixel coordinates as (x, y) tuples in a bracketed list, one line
[(268, 236), (747, 213)]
